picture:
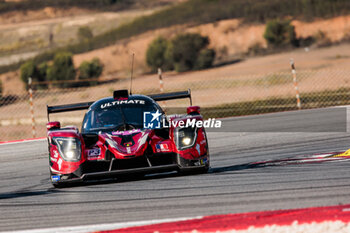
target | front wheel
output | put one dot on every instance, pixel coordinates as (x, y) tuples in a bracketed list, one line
[(59, 185), (204, 169), (194, 171)]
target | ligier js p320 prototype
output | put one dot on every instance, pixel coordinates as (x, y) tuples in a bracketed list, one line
[(126, 134)]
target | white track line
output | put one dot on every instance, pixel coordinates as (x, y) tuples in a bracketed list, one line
[(22, 141), (101, 227)]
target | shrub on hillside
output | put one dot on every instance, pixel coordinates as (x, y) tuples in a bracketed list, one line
[(37, 73), (205, 59), (62, 69), (84, 33), (28, 70), (280, 33), (42, 69), (185, 52), (90, 70), (186, 49), (156, 55), (41, 74)]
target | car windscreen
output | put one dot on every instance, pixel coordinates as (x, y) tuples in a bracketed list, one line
[(115, 117)]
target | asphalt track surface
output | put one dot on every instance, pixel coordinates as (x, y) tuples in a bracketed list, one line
[(28, 201)]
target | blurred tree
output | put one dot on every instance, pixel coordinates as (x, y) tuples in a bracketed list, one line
[(41, 74), (28, 70), (90, 70), (85, 34), (279, 33), (62, 69), (156, 54), (186, 49), (37, 73), (205, 59), (42, 68)]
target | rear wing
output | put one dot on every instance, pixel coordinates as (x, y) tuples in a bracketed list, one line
[(86, 105), (67, 108), (172, 96)]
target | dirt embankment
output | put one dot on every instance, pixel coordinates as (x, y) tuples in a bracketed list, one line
[(228, 37), (45, 13)]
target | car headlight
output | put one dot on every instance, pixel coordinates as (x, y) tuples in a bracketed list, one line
[(185, 137), (69, 148), (186, 141)]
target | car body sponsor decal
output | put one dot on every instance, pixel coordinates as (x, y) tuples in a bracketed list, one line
[(119, 102), (55, 154), (59, 163), (94, 152), (133, 131), (55, 178), (198, 148), (345, 154), (162, 147), (128, 144)]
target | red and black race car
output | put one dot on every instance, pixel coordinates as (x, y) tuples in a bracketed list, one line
[(124, 135)]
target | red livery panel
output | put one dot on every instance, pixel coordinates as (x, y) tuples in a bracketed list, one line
[(126, 135)]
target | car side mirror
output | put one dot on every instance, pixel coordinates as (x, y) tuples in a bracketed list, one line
[(53, 125), (193, 110)]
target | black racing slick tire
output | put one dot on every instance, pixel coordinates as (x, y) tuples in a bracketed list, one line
[(59, 185), (194, 171)]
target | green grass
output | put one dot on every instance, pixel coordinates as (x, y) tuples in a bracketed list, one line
[(37, 43)]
